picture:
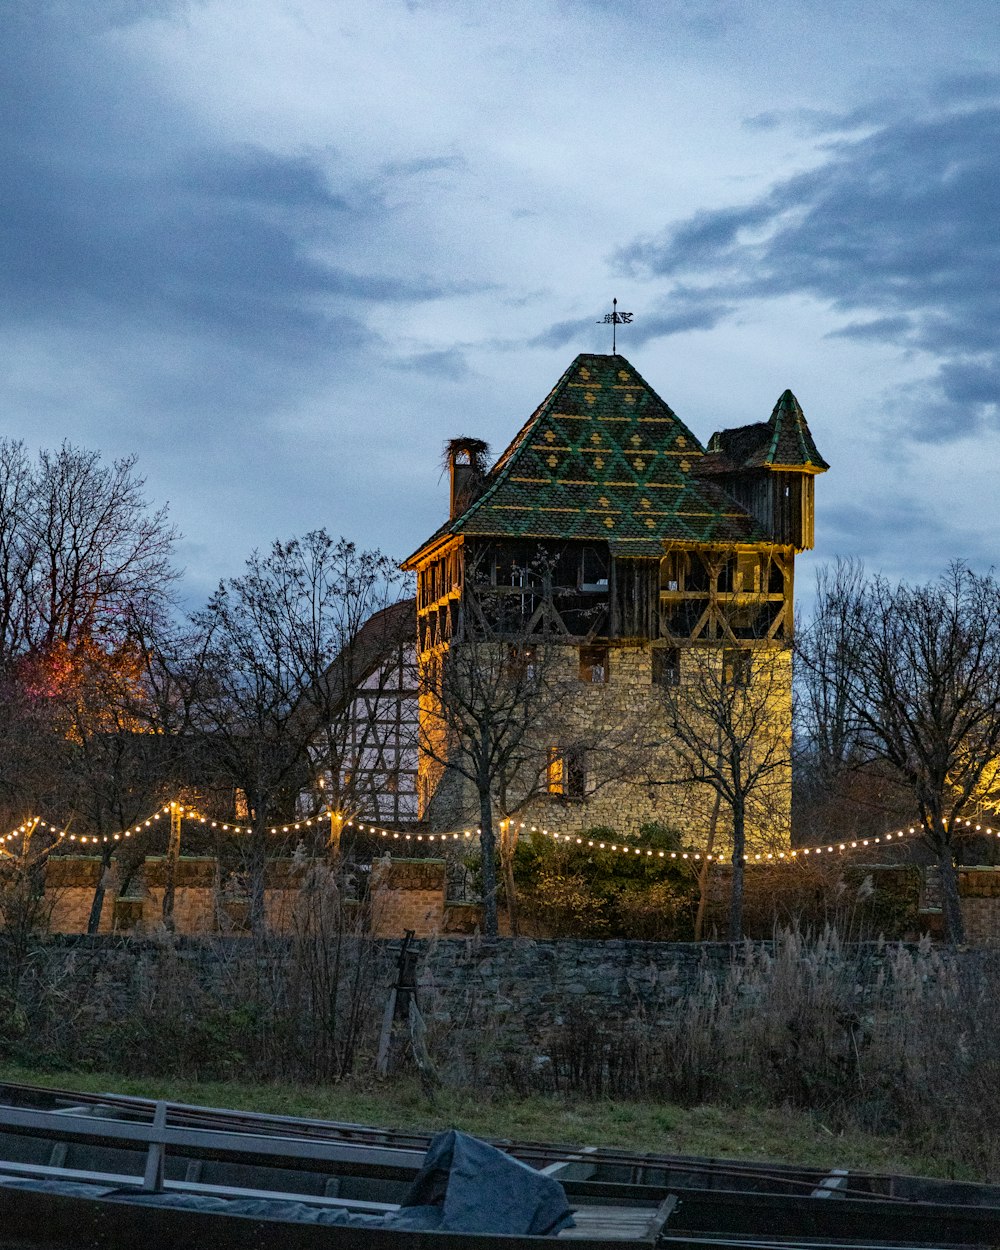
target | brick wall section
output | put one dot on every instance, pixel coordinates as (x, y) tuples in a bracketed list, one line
[(980, 891), (410, 894), (535, 983)]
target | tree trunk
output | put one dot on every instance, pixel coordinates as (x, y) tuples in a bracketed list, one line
[(951, 907), (713, 825), (170, 865), (487, 842), (507, 863), (257, 872), (736, 894), (336, 832), (97, 906)]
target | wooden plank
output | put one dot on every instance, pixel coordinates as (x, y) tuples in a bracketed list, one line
[(286, 1151), (832, 1186), (580, 1170), (612, 1223), (661, 1215), (116, 1181)]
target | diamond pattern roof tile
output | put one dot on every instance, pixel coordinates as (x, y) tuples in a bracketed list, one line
[(603, 457)]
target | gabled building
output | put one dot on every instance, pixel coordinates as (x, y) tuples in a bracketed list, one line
[(621, 538), (366, 757)]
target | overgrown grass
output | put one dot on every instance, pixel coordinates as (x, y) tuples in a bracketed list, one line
[(829, 1044), (746, 1133)]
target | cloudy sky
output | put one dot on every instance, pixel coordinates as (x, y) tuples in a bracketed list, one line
[(283, 249)]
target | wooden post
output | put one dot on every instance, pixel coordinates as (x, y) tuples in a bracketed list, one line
[(173, 854)]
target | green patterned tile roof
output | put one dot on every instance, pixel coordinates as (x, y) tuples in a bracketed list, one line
[(604, 457)]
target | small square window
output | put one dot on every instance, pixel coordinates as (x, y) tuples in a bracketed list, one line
[(666, 666), (594, 665), (736, 667), (567, 772), (523, 663), (748, 573)]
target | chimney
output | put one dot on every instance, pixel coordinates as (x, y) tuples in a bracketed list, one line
[(466, 459)]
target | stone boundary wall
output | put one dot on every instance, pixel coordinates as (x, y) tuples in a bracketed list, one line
[(505, 994), (519, 988)]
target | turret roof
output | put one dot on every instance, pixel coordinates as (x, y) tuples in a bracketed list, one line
[(604, 458), (783, 441)]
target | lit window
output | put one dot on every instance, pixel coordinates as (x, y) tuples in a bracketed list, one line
[(567, 772), (594, 664), (524, 662), (557, 771)]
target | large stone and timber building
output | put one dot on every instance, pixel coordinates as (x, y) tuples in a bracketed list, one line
[(631, 548)]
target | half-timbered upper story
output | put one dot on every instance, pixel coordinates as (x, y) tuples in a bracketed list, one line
[(607, 521)]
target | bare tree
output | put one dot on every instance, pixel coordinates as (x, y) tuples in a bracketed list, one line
[(24, 910), (114, 770), (254, 681), (82, 556), (728, 716), (838, 785), (484, 705), (924, 693), (826, 671), (497, 722), (80, 549)]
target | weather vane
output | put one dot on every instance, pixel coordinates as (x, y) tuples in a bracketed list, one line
[(615, 319)]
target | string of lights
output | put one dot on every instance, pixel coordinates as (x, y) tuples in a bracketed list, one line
[(790, 856), (191, 814), (34, 823)]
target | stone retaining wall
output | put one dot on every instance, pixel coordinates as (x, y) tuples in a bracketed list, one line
[(536, 984), (505, 994)]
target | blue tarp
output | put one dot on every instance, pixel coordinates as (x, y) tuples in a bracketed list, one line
[(468, 1186)]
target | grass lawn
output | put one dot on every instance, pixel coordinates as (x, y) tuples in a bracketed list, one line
[(747, 1133)]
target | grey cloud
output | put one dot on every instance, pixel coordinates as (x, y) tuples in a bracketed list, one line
[(883, 328), (961, 88), (689, 316), (121, 219), (95, 14), (900, 225), (450, 365), (254, 174), (970, 383), (557, 335), (882, 533), (825, 121), (424, 165)]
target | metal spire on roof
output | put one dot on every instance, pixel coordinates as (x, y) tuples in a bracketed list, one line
[(615, 319)]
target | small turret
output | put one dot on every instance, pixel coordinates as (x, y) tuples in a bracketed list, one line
[(769, 468)]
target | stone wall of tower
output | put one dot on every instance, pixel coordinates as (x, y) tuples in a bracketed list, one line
[(630, 757)]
